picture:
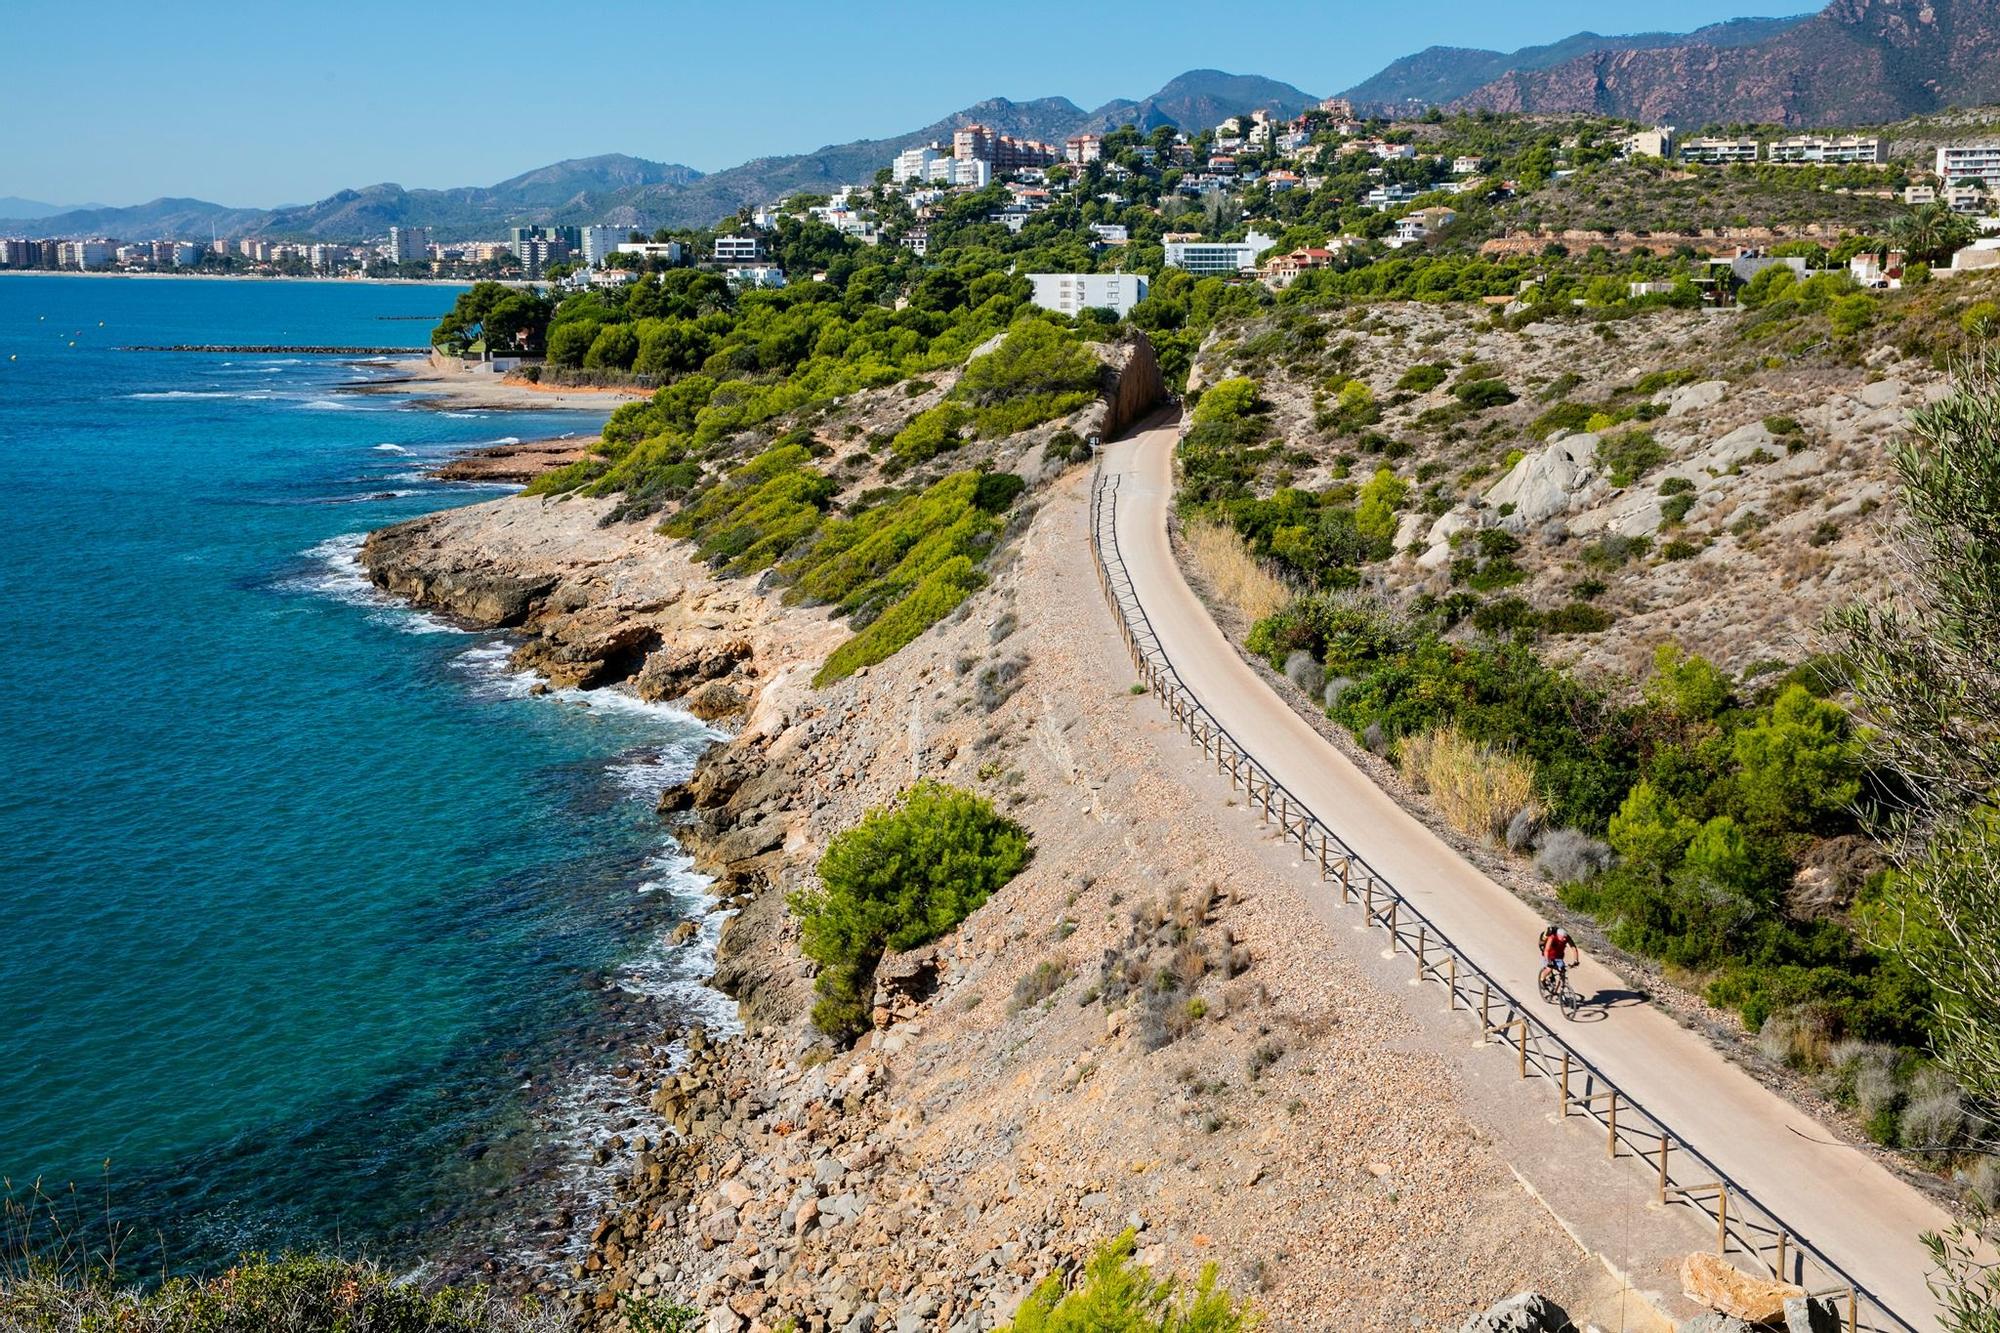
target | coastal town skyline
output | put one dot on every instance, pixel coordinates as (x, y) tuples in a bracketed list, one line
[(341, 94)]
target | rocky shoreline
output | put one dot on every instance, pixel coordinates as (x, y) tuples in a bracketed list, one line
[(518, 463)]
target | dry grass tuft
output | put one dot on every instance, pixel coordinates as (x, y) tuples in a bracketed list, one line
[(1235, 575), (1478, 789)]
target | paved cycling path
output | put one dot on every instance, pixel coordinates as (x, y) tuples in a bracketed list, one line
[(1857, 1213)]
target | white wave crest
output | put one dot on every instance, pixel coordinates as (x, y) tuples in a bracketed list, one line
[(338, 575)]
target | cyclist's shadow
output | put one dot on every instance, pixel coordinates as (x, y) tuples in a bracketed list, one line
[(1597, 1006)]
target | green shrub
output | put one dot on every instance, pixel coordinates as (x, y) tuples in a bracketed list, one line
[(1782, 426), (1613, 550), (1799, 763), (1981, 319), (1678, 549), (764, 509), (1375, 507), (1577, 618), (900, 878), (1422, 378), (1116, 1295), (930, 433), (935, 597), (1226, 400), (1676, 508), (1851, 314), (1479, 395), (1038, 372), (1628, 455), (1676, 486), (1563, 416)]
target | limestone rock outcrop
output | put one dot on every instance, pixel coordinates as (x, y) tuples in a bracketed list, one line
[(1713, 1281)]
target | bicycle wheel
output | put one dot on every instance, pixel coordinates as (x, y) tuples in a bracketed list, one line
[(1548, 984), (1571, 1001)]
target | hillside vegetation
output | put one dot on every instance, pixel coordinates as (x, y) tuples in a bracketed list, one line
[(1533, 561)]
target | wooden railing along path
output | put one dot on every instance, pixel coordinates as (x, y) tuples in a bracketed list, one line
[(1681, 1174)]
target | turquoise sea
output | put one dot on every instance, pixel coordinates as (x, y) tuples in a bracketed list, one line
[(313, 923)]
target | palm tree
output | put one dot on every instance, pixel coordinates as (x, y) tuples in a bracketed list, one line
[(1931, 233)]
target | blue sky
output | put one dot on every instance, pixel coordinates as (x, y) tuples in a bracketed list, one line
[(265, 104)]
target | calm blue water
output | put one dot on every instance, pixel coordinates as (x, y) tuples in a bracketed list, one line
[(306, 909)]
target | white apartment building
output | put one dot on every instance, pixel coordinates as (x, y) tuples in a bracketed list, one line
[(1217, 257), (976, 172), (1656, 142), (1111, 233), (665, 252), (738, 249), (1071, 293), (1719, 151), (187, 254), (755, 275), (600, 243), (409, 245), (1818, 148), (914, 164), (1977, 162)]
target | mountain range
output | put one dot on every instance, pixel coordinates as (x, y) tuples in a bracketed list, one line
[(627, 191), (1855, 62), (1440, 75)]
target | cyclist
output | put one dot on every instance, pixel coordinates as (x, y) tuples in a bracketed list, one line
[(1556, 946)]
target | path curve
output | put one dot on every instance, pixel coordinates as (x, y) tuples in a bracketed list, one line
[(1852, 1208)]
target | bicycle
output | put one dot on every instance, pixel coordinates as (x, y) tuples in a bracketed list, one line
[(1556, 989)]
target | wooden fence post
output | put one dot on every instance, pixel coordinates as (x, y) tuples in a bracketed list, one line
[(1565, 1084), (1392, 923), (1665, 1144), (1523, 1045), (1611, 1127), (1451, 982), (1722, 1219), (1784, 1241), (1485, 1007), (1422, 932)]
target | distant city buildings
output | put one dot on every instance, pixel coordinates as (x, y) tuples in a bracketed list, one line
[(599, 243), (409, 245), (541, 248), (1071, 293), (1083, 148)]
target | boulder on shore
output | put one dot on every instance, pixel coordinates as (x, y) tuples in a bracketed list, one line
[(1711, 1280)]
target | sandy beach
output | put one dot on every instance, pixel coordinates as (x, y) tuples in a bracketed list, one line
[(460, 389)]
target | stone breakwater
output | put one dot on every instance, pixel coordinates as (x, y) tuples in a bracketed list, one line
[(289, 349)]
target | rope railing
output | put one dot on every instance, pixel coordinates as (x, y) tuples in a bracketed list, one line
[(1682, 1175)]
